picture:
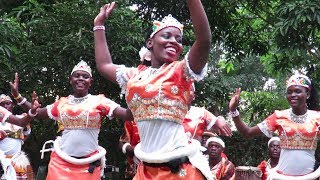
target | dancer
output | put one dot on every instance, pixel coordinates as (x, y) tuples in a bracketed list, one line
[(158, 96), (12, 139), (298, 127), (77, 154)]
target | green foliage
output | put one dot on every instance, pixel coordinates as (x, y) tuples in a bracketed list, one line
[(246, 152), (256, 106)]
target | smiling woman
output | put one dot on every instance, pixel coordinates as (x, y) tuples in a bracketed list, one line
[(298, 129), (80, 115), (159, 95)]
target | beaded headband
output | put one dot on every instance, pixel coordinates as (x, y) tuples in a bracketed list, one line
[(4, 97), (299, 80), (217, 140), (275, 138), (167, 21), (82, 66)]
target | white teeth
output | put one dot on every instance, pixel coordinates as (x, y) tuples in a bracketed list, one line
[(171, 49)]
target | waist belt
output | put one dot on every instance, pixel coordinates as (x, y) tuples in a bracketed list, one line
[(173, 165), (92, 165), (15, 134)]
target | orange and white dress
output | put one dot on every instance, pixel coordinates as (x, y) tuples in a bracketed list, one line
[(81, 119), (158, 99), (298, 140), (197, 121)]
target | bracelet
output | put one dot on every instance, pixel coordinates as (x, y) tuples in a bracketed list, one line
[(124, 151), (32, 115), (22, 102), (99, 28), (18, 97), (234, 114)]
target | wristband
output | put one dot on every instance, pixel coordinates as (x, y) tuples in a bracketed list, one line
[(32, 115), (18, 97), (234, 114), (124, 151), (99, 28), (22, 102)]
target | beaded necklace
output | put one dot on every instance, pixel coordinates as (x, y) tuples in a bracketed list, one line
[(298, 119), (74, 100)]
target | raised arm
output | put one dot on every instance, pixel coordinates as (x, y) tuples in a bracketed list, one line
[(31, 113), (245, 130), (103, 58), (23, 102), (199, 52)]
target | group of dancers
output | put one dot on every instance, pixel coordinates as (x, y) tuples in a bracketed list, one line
[(159, 97)]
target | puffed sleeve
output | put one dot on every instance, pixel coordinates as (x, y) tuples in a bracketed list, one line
[(106, 106), (269, 125), (123, 75)]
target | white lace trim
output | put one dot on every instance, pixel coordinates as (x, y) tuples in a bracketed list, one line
[(49, 108), (193, 75), (264, 129), (121, 79)]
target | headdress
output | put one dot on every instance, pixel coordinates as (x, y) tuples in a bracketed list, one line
[(217, 140), (273, 139), (300, 80), (82, 66), (4, 97), (167, 21)]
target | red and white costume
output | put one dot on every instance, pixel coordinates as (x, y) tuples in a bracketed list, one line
[(78, 145), (197, 121), (298, 140), (158, 99), (131, 136)]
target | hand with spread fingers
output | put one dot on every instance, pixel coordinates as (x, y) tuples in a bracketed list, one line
[(234, 102), (222, 128), (105, 12)]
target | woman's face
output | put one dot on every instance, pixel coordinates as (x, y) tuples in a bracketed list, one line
[(80, 82), (8, 105), (297, 96), (166, 45)]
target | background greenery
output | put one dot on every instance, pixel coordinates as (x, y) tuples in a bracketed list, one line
[(252, 41)]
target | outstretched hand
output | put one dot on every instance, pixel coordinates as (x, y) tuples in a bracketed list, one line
[(234, 102), (15, 86), (105, 12), (221, 127)]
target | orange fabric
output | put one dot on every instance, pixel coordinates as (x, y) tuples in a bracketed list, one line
[(187, 172), (197, 120), (145, 101), (294, 135), (263, 167), (131, 136), (74, 116), (62, 170)]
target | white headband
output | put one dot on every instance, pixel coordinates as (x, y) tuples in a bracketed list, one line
[(217, 140), (273, 139)]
